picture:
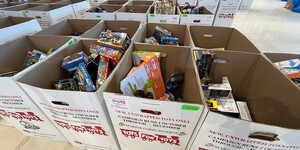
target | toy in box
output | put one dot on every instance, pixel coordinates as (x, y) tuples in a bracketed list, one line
[(33, 57), (291, 68), (103, 71), (138, 55), (145, 80), (66, 84), (222, 90), (84, 79), (159, 33), (71, 63), (116, 40)]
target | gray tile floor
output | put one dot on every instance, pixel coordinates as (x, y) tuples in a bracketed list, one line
[(267, 24)]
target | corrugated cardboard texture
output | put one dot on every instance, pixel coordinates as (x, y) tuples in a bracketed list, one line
[(48, 7), (221, 37), (9, 21), (134, 8), (13, 53), (141, 2), (21, 7), (69, 27), (129, 27), (179, 59), (52, 69), (179, 31), (272, 99), (276, 57)]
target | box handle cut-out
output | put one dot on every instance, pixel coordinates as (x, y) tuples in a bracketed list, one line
[(197, 21), (147, 111), (60, 103), (264, 136), (208, 35)]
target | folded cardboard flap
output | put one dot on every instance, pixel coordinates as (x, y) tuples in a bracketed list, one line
[(270, 97), (178, 31), (221, 37), (110, 8), (13, 54), (9, 21), (48, 71), (129, 27), (135, 9), (21, 7), (179, 59), (69, 27), (276, 57), (141, 2)]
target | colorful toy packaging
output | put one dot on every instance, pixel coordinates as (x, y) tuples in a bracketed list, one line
[(71, 63), (33, 57)]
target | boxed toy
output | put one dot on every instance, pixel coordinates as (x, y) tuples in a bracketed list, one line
[(291, 68), (71, 63), (145, 80), (138, 55), (115, 40), (218, 90)]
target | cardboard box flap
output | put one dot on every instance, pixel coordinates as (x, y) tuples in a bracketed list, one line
[(240, 42), (114, 2), (221, 37), (52, 67), (21, 7), (184, 63), (129, 27), (18, 49), (69, 27), (234, 65), (9, 21), (141, 2), (271, 97), (276, 57), (135, 9), (48, 7), (110, 8)]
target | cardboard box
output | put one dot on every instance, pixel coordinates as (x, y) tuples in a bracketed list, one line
[(51, 14), (51, 1), (130, 27), (246, 4), (159, 18), (173, 123), (179, 31), (16, 106), (205, 19), (16, 11), (220, 37), (81, 116), (70, 27), (140, 13), (19, 25), (79, 7), (110, 15), (114, 2), (141, 2), (95, 3), (277, 57), (226, 12), (272, 101), (211, 5), (191, 2)]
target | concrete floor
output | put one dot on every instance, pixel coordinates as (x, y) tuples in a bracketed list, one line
[(271, 28)]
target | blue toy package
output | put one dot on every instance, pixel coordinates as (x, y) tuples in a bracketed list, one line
[(84, 79), (71, 63), (159, 33), (296, 9), (170, 41)]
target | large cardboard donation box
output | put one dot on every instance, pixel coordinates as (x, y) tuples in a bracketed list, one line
[(163, 18), (272, 100), (204, 19), (211, 5), (79, 7), (20, 27), (179, 31), (221, 38), (16, 11), (51, 14), (132, 28), (140, 2), (70, 27), (81, 116), (133, 12), (152, 124), (16, 106)]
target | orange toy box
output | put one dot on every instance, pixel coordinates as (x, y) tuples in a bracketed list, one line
[(145, 80)]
